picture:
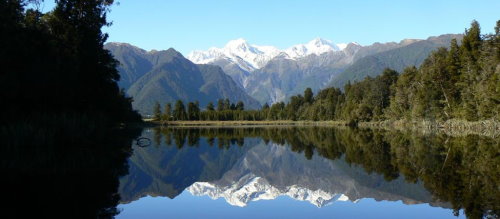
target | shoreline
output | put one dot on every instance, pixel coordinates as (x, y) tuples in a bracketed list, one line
[(449, 127), (246, 123), (452, 127)]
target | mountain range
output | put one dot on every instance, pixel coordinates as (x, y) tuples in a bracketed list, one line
[(252, 57), (258, 74), (166, 76), (271, 75)]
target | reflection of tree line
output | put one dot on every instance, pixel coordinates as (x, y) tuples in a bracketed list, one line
[(460, 170), (223, 138), (65, 171)]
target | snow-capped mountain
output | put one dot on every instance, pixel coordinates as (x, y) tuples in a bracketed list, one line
[(250, 57), (253, 188), (317, 46)]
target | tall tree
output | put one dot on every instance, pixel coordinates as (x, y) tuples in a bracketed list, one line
[(265, 106), (220, 105), (167, 114), (210, 106), (404, 90), (179, 112), (227, 104), (157, 111), (470, 51), (308, 95), (240, 106), (193, 111)]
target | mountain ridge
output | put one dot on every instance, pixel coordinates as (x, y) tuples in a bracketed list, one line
[(412, 53)]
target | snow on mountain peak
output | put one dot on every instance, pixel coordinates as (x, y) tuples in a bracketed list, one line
[(250, 57), (318, 42), (246, 56), (316, 46), (237, 45)]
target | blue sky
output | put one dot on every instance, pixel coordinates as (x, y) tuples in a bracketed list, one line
[(200, 24)]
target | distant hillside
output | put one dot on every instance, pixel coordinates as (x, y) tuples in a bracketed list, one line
[(166, 76), (397, 59)]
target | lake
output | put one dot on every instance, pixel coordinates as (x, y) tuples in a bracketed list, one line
[(309, 172)]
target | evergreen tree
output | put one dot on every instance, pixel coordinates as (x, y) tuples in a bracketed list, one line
[(179, 112), (308, 95), (470, 51), (220, 105), (404, 90), (167, 114), (193, 111), (210, 106), (227, 104), (471, 43), (265, 106), (157, 111), (240, 106), (454, 71)]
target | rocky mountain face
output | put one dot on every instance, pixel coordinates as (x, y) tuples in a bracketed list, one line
[(166, 76)]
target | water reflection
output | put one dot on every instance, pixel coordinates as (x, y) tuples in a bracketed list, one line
[(320, 165), (68, 170)]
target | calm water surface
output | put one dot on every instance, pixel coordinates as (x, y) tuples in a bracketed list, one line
[(309, 172)]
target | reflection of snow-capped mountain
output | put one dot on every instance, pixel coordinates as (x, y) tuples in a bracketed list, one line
[(254, 188), (268, 171), (258, 171)]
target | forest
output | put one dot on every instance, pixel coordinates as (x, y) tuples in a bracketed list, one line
[(460, 82), (53, 64)]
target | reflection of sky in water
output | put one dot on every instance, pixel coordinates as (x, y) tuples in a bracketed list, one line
[(188, 206)]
